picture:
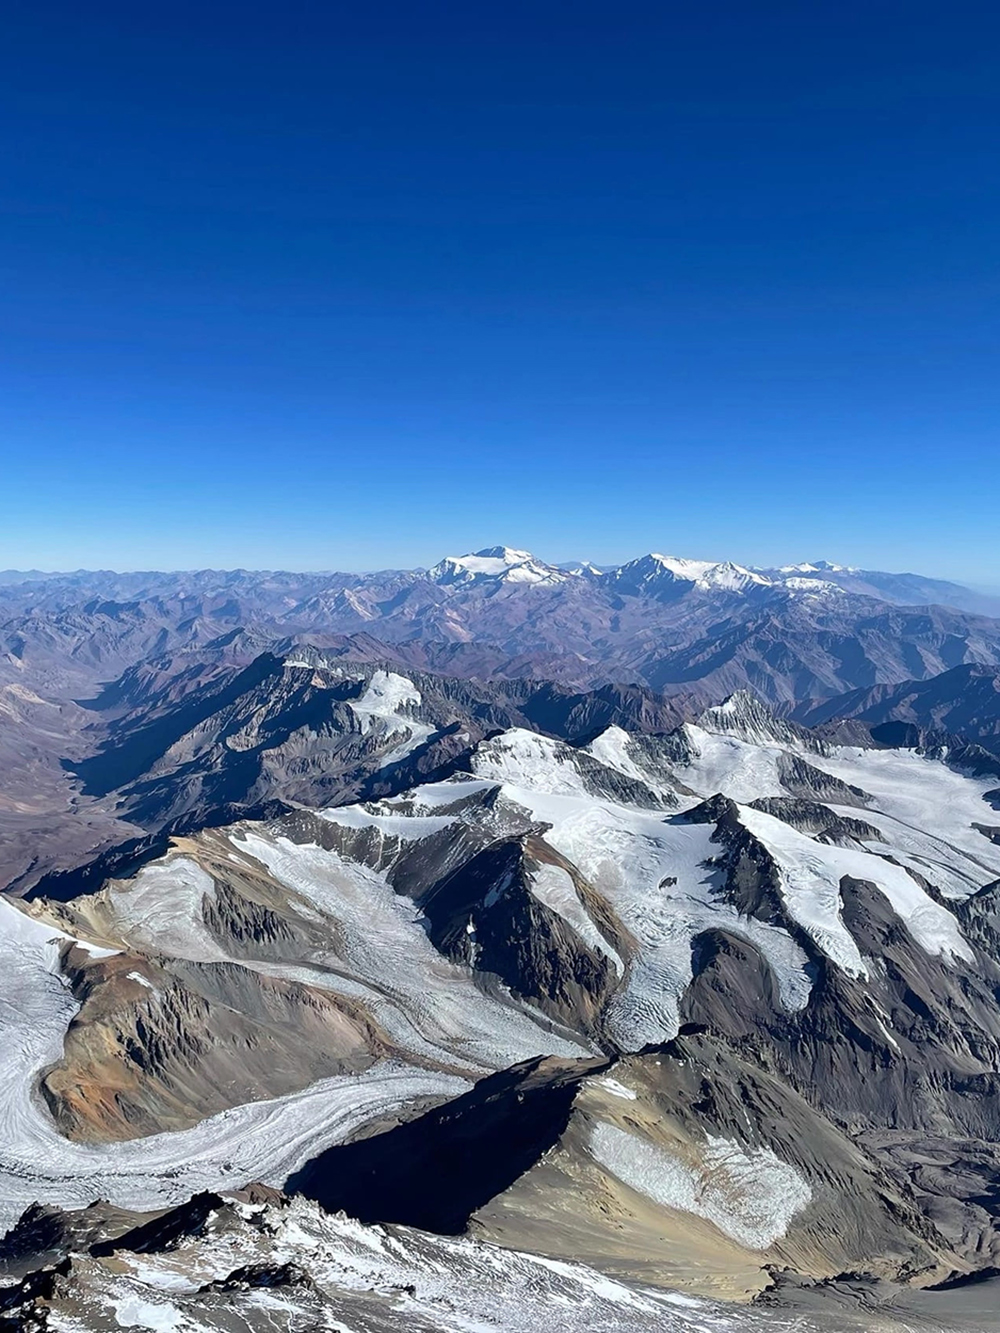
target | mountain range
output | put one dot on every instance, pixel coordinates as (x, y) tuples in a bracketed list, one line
[(92, 664), (499, 945), (807, 632), (692, 1007)]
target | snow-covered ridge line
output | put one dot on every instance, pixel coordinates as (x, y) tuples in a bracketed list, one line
[(636, 883), (663, 576)]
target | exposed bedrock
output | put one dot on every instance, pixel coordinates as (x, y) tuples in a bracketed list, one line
[(684, 1165), (487, 916), (152, 1050)]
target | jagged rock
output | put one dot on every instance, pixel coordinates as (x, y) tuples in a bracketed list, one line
[(818, 820), (252, 1276), (166, 1230)]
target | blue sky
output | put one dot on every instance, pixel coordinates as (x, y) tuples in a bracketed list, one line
[(321, 285)]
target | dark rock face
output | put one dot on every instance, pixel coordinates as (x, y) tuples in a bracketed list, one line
[(914, 1046), (485, 915), (40, 1285), (164, 1231), (253, 1276), (434, 1172), (818, 820), (807, 782)]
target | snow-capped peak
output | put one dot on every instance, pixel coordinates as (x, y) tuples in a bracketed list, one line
[(734, 578), (583, 569), (818, 567), (504, 563), (654, 573), (749, 718)]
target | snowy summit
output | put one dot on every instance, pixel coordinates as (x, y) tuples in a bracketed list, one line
[(502, 563)]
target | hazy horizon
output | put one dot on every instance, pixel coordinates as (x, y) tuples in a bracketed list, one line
[(558, 561)]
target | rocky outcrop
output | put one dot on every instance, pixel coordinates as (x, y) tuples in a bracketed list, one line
[(818, 820), (603, 1162), (487, 916), (153, 1049), (434, 1172)]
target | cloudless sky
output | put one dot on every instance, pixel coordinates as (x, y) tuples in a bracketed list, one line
[(325, 285)]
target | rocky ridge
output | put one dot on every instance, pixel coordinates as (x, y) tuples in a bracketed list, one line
[(737, 956)]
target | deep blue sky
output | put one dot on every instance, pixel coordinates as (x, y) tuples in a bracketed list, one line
[(328, 285)]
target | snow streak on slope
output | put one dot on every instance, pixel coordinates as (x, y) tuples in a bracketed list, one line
[(611, 748), (554, 887), (161, 910), (810, 884), (430, 1006), (750, 1196)]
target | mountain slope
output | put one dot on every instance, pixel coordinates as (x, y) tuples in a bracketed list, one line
[(824, 915), (964, 701)]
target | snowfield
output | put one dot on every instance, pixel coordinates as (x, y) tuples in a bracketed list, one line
[(750, 1196), (811, 873), (387, 693), (661, 876)]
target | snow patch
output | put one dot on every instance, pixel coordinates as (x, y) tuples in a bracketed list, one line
[(810, 874), (617, 1089), (155, 1316), (387, 694), (553, 886), (751, 1197)]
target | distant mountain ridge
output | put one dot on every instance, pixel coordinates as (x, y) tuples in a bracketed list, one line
[(804, 632), (964, 701), (507, 564), (688, 631)]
